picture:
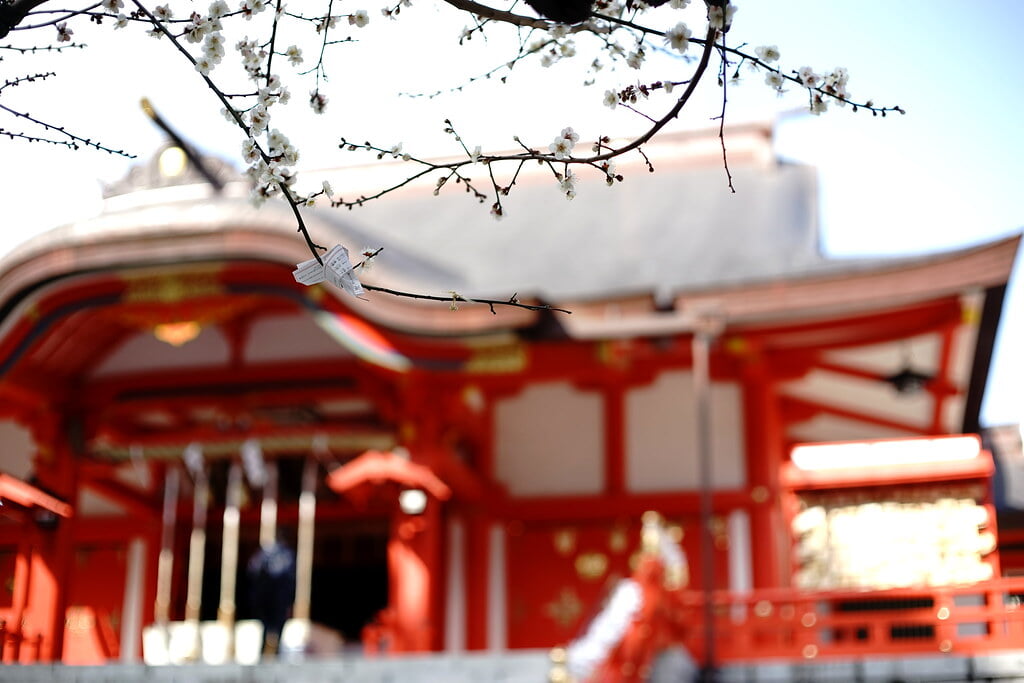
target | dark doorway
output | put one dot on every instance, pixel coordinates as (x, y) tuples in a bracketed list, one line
[(350, 575)]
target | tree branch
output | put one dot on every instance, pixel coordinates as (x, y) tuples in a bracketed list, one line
[(13, 13), (498, 15)]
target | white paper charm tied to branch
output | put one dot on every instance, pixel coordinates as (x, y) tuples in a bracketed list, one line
[(336, 268)]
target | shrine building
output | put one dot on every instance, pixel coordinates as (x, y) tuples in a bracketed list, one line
[(462, 477)]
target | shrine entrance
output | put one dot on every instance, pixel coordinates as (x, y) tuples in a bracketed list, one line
[(350, 575)]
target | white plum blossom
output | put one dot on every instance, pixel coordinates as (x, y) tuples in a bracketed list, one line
[(359, 18), (775, 80), (567, 184), (265, 97), (326, 23), (250, 151), (839, 76), (808, 77), (474, 156), (563, 144), (120, 21), (112, 5), (259, 117), (63, 32), (327, 189), (678, 37), (635, 59), (294, 55), (163, 12), (213, 47), (204, 65), (280, 148), (396, 150), (611, 98), (560, 148), (767, 53), (218, 9), (276, 140), (835, 84), (368, 254), (719, 18), (317, 101), (250, 8), (818, 105), (198, 28)]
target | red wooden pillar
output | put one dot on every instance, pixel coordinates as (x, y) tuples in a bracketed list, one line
[(479, 521), (477, 571), (764, 445), (50, 564), (614, 439), (413, 563), (22, 573)]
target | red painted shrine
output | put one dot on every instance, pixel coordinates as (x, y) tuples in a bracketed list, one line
[(476, 480)]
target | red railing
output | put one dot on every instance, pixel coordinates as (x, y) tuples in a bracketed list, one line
[(17, 646), (965, 619), (801, 626)]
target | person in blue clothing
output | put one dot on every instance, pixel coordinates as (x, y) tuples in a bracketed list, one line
[(271, 574)]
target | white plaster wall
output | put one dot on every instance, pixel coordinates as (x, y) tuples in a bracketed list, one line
[(286, 337), (93, 505), (661, 435), (16, 448), (870, 397), (834, 428), (144, 351), (922, 351), (550, 440)]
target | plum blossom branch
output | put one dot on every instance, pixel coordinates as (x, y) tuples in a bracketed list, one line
[(281, 181), (42, 48), (70, 140), (617, 29), (454, 297)]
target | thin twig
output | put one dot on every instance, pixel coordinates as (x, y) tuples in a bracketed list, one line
[(454, 296)]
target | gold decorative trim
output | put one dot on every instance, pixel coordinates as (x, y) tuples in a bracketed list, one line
[(564, 541), (566, 608), (169, 288), (504, 358), (591, 566), (270, 444)]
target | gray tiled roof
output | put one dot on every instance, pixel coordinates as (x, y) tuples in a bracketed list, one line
[(671, 231)]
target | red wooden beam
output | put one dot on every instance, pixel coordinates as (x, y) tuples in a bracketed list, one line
[(374, 467), (574, 508), (26, 495), (801, 404), (135, 501)]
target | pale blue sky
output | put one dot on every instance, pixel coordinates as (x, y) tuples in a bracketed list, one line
[(945, 175)]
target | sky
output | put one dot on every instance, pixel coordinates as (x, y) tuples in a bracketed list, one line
[(945, 175)]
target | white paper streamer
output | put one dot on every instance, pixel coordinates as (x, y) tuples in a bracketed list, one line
[(336, 268)]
